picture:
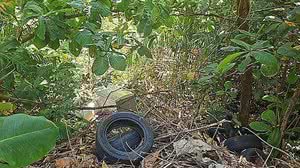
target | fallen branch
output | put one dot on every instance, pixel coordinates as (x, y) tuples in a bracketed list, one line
[(96, 108), (192, 130)]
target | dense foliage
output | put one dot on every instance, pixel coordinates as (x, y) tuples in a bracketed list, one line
[(42, 40)]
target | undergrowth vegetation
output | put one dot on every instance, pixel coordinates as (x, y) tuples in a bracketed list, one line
[(229, 57)]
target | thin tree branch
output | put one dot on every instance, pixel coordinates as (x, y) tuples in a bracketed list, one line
[(96, 108), (201, 14)]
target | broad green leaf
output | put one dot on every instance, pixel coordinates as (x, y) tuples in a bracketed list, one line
[(54, 44), (55, 30), (242, 44), (75, 48), (269, 116), (269, 71), (31, 10), (292, 77), (41, 29), (25, 139), (123, 5), (243, 65), (274, 138), (144, 51), (84, 38), (9, 44), (260, 126), (91, 26), (271, 98), (261, 45), (141, 26), (33, 7), (228, 67), (287, 50), (103, 41), (40, 43), (225, 64), (101, 64), (270, 65), (118, 61), (264, 57), (100, 8), (147, 29)]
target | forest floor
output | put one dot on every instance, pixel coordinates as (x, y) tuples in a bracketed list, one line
[(173, 124), (178, 119)]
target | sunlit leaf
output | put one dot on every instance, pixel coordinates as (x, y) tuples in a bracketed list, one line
[(118, 61), (271, 98), (101, 64), (84, 38), (269, 63), (41, 29), (260, 126), (275, 137), (226, 63), (269, 116)]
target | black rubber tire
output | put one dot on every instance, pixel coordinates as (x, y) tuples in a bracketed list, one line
[(252, 154), (105, 151), (240, 143), (127, 142), (216, 133)]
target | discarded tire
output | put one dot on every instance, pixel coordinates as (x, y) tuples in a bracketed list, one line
[(127, 142), (114, 151), (239, 143), (252, 154)]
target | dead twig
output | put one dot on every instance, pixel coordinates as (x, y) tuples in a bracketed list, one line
[(193, 130)]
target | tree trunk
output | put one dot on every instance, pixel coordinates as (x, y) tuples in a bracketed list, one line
[(243, 9)]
